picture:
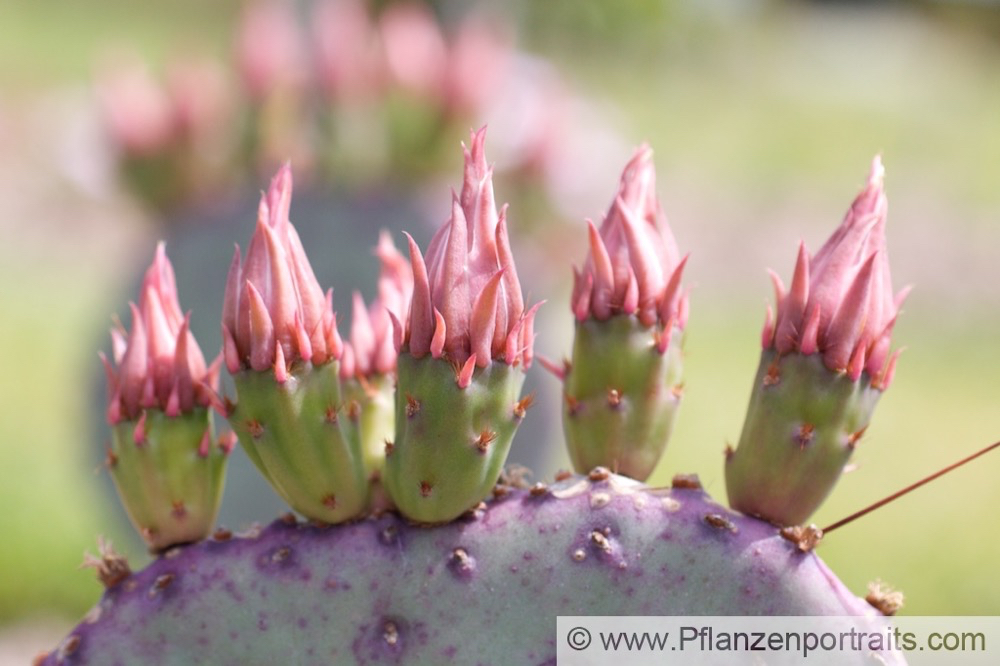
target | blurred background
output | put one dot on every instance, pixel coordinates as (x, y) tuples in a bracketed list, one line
[(121, 126)]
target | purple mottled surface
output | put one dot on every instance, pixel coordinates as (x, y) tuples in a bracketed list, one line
[(480, 590)]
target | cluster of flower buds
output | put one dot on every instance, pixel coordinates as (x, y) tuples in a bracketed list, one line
[(144, 117), (423, 400), (355, 56), (167, 135), (361, 67), (350, 92)]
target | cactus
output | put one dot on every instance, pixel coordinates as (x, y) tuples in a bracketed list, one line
[(464, 347), (483, 584), (825, 363), (281, 345), (622, 386)]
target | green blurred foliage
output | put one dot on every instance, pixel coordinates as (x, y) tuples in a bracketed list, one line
[(52, 511), (45, 43)]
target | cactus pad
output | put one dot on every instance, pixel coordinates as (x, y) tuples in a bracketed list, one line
[(485, 589)]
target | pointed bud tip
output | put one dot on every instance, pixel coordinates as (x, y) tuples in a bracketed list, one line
[(876, 175)]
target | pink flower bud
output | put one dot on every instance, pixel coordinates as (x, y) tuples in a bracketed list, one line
[(466, 297), (158, 364), (395, 281), (136, 110), (200, 96), (348, 59), (373, 344), (270, 50), (415, 50), (633, 266), (275, 312), (479, 63), (840, 303)]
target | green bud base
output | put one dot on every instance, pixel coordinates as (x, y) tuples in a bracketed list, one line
[(621, 396), (802, 425), (296, 436), (451, 443), (170, 491), (371, 410)]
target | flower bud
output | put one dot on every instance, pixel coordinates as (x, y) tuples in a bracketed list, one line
[(825, 363), (162, 459)]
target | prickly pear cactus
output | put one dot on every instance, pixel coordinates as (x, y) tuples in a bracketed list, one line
[(433, 574), (484, 589)]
